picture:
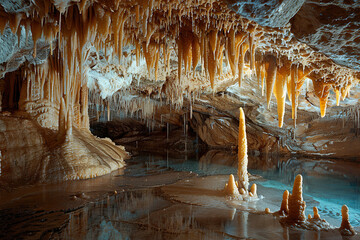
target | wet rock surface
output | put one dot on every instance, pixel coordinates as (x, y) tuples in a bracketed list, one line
[(130, 202)]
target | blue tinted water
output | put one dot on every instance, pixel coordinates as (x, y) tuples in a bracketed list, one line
[(325, 189)]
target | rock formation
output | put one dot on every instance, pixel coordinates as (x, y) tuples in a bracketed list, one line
[(234, 188), (242, 155), (231, 187), (59, 58), (284, 209), (345, 228), (296, 203)]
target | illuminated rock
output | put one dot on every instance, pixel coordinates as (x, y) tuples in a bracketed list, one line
[(345, 228), (242, 154), (284, 209), (296, 203), (231, 187)]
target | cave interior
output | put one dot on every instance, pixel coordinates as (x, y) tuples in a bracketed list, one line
[(179, 119)]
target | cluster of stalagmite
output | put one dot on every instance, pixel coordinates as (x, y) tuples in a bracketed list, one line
[(293, 210), (240, 187)]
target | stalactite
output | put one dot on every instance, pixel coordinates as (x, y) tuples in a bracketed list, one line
[(258, 65), (280, 95), (263, 77), (180, 52), (243, 48), (338, 95), (231, 53), (36, 33), (270, 77), (322, 92), (212, 59), (293, 87), (195, 47)]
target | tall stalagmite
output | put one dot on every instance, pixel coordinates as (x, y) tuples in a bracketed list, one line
[(242, 154), (296, 203)]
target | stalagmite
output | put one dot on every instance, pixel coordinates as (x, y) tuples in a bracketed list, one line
[(253, 190), (284, 209), (296, 203), (345, 228), (316, 213), (231, 187), (242, 154)]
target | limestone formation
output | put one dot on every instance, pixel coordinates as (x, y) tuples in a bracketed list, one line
[(296, 203), (231, 187), (242, 154), (53, 52), (345, 228), (284, 209)]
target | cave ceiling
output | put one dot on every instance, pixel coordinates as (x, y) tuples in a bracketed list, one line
[(317, 40)]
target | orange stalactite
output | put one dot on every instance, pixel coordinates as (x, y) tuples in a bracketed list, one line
[(271, 69), (322, 91)]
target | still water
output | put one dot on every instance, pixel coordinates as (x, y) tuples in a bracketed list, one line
[(130, 203), (328, 186)]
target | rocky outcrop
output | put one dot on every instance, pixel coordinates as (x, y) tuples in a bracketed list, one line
[(274, 13), (331, 27), (31, 154)]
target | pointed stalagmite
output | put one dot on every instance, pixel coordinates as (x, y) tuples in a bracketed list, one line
[(230, 187), (296, 203), (242, 154), (346, 228)]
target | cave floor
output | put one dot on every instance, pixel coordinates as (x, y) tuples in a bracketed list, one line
[(131, 203)]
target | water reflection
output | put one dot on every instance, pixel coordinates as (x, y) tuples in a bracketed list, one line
[(139, 210), (280, 172)]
